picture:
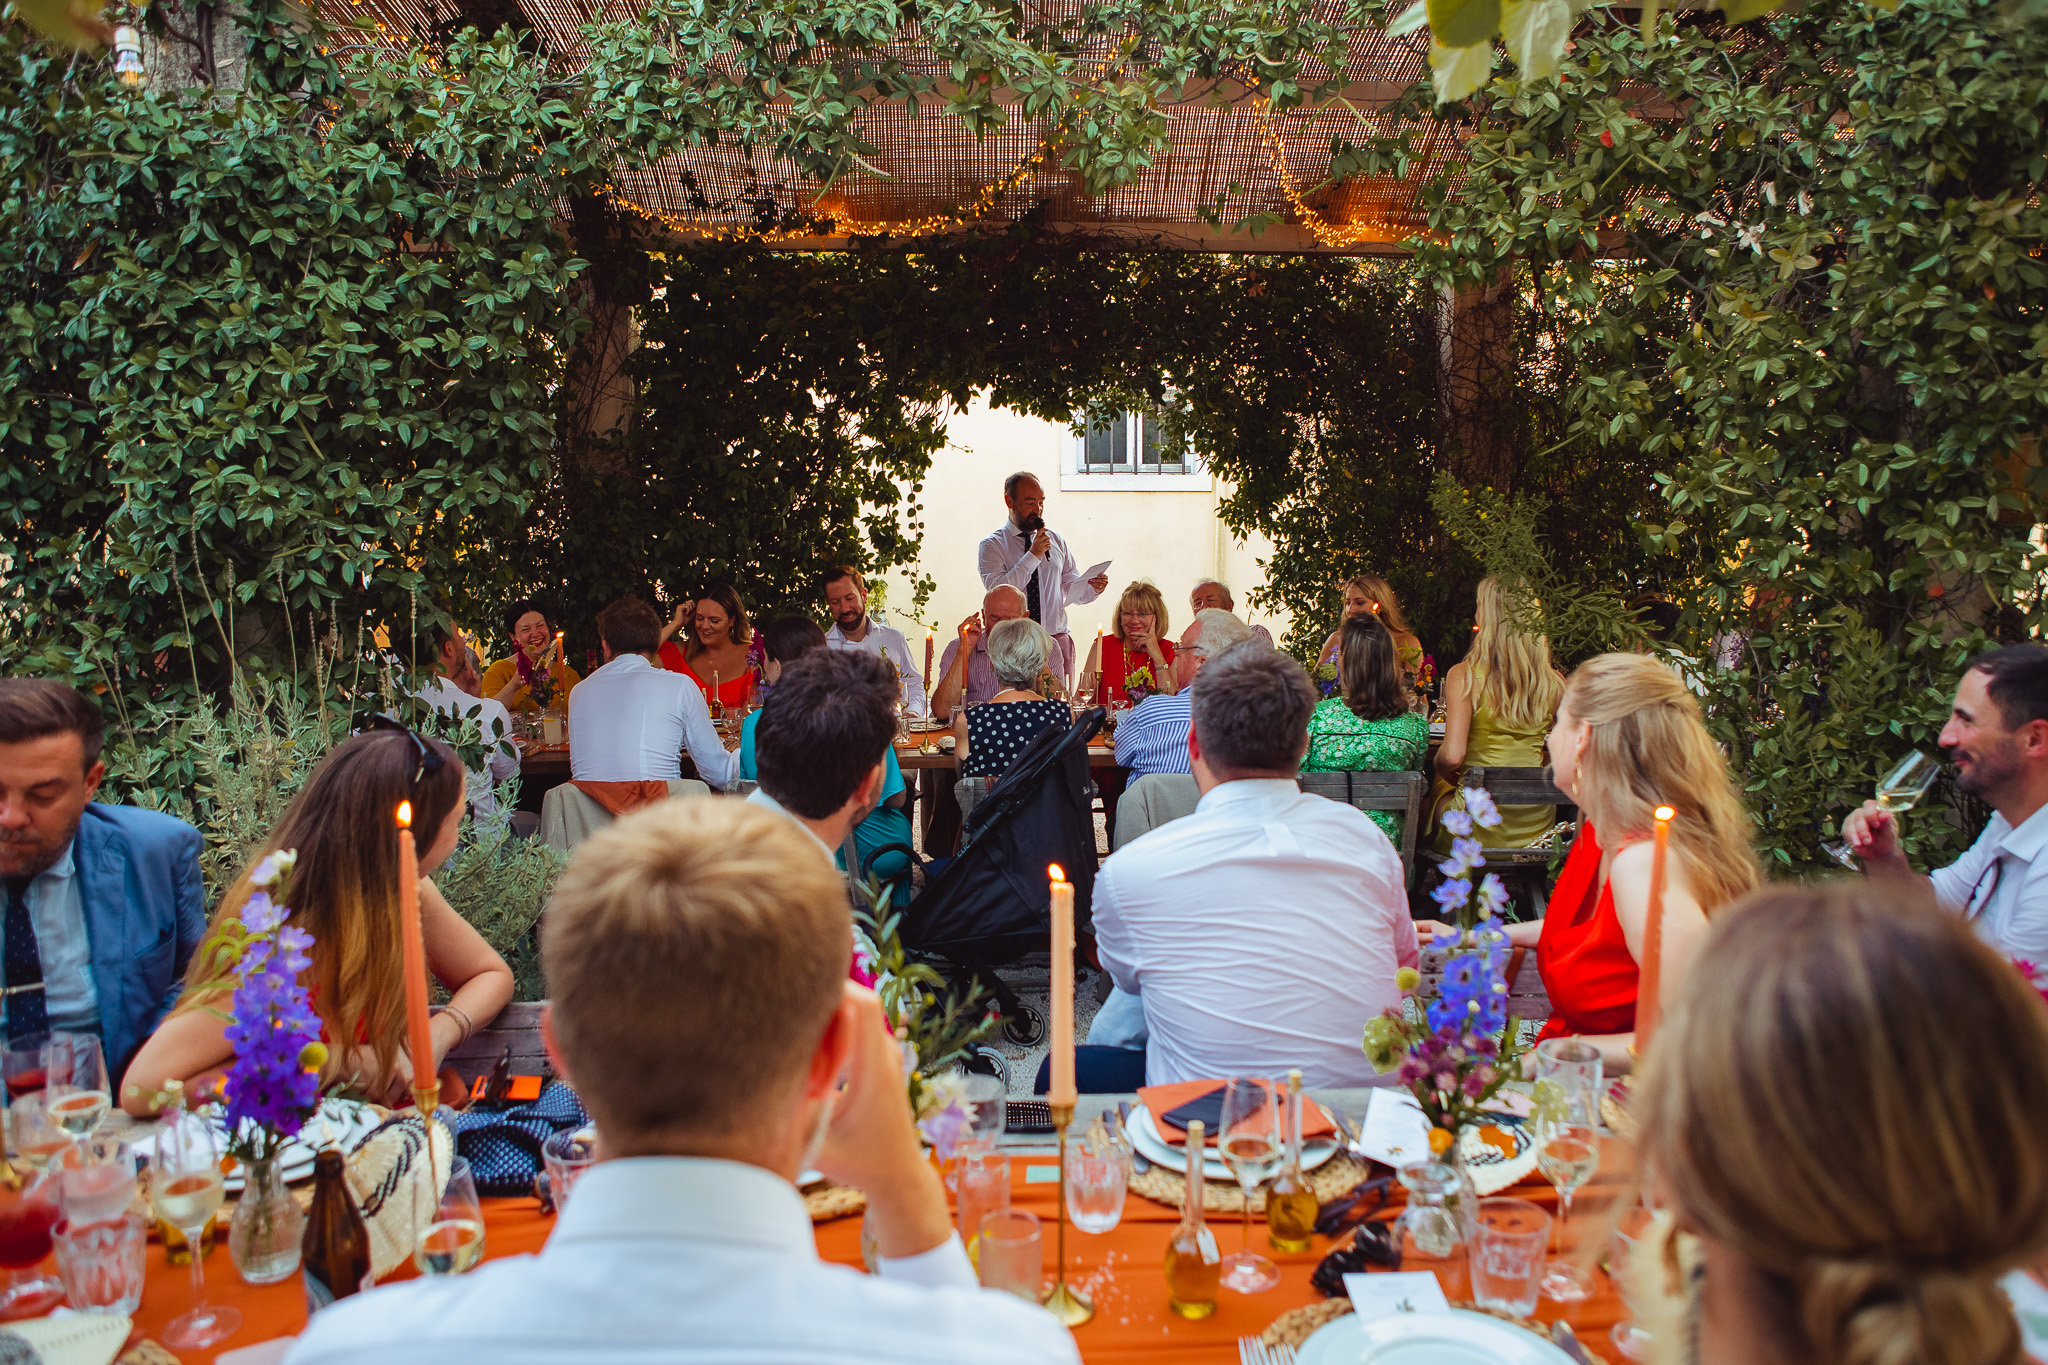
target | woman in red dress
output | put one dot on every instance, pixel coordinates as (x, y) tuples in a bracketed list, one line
[(1137, 661), (718, 645), (1628, 738)]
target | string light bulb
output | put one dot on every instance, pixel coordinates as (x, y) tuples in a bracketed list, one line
[(128, 56)]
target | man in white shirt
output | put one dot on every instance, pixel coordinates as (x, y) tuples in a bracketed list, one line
[(1035, 561), (846, 597), (1264, 930), (634, 723), (1997, 738), (696, 954), (453, 691)]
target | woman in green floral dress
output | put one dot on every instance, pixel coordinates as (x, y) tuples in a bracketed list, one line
[(1368, 726)]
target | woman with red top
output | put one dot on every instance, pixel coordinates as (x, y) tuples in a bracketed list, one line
[(718, 648), (1628, 738), (1137, 660)]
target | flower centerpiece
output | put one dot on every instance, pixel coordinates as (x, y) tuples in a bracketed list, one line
[(1140, 683), (1457, 1052), (1327, 681), (538, 678), (272, 1087)]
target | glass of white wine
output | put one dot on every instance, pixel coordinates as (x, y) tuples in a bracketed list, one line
[(75, 1090), (1898, 791), (1568, 1076), (454, 1240), (1249, 1139), (185, 1188)]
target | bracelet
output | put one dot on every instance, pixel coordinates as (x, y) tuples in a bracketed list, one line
[(462, 1017)]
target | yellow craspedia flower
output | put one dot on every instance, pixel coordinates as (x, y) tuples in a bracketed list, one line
[(1440, 1140), (1407, 979), (313, 1055)]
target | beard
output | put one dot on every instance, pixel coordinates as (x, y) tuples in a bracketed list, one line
[(849, 619), (23, 855), (1983, 770)]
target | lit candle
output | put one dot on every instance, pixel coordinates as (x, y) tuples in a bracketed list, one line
[(1647, 1001), (420, 1038), (930, 635), (556, 653), (1061, 1091)]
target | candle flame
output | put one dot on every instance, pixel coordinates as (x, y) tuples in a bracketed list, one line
[(405, 815), (1055, 872), (1665, 812)]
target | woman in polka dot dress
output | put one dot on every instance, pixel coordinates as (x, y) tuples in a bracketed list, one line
[(990, 736)]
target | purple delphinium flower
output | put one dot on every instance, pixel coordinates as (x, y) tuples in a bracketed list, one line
[(1458, 823), (270, 1083), (1479, 802)]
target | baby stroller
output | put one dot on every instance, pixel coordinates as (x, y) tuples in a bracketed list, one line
[(988, 906)]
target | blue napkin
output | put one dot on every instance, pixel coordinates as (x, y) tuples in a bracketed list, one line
[(503, 1146)]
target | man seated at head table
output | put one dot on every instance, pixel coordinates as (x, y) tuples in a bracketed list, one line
[(1153, 736), (631, 720), (966, 677), (1263, 931), (104, 903), (846, 597), (696, 956), (1214, 593)]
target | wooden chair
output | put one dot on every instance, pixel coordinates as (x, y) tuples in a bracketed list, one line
[(1528, 867), (1527, 999), (1396, 791)]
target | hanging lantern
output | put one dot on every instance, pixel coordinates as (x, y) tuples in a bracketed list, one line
[(128, 55)]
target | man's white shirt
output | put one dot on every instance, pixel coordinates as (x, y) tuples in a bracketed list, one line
[(1006, 557), (1261, 932), (679, 1259), (2001, 883), (502, 755), (630, 722), (888, 642)]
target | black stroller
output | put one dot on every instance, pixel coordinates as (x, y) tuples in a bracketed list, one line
[(988, 906)]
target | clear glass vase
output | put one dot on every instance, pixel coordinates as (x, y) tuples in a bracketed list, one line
[(267, 1227)]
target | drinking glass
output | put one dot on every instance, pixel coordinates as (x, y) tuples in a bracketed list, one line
[(1432, 1236), (1898, 791), (984, 1181), (76, 1090), (1096, 1178), (567, 1156), (96, 1179), (1507, 1255), (1249, 1139), (988, 1107), (101, 1262), (454, 1240), (1635, 1232), (38, 1140), (1567, 1144), (185, 1188), (1012, 1256), (27, 1216), (22, 1064)]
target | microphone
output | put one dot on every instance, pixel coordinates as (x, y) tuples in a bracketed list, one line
[(1033, 524)]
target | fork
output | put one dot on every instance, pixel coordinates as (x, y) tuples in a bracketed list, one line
[(1252, 1351), (1281, 1355)]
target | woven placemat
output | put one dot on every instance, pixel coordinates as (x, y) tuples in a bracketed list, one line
[(827, 1201), (1614, 1113), (1170, 1188), (1297, 1325)]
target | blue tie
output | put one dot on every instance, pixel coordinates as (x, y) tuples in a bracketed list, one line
[(27, 1012)]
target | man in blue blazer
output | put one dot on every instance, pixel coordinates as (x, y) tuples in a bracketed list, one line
[(103, 904)]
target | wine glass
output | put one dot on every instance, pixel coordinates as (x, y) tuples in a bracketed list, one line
[(27, 1216), (185, 1189), (38, 1138), (1568, 1077), (76, 1092), (1249, 1138), (454, 1240), (22, 1064), (1898, 791)]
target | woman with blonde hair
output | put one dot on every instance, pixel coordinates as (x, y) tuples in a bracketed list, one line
[(1370, 595), (1845, 1108), (1136, 659), (1629, 739), (345, 893), (1498, 702)]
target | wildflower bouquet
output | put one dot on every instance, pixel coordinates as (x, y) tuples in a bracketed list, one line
[(539, 678), (1326, 678), (1457, 1054), (1140, 683)]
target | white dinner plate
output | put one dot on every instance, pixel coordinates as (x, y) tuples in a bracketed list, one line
[(343, 1123), (1458, 1337), (1146, 1138)]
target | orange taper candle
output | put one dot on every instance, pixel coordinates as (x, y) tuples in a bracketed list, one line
[(419, 1036), (1648, 1002), (1061, 1090)]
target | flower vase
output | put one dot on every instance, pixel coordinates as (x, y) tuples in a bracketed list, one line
[(265, 1232), (1464, 1200)]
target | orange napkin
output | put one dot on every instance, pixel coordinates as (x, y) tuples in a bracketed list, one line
[(1161, 1100), (623, 798)]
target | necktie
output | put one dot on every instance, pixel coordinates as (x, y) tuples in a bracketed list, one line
[(23, 965), (1031, 588)]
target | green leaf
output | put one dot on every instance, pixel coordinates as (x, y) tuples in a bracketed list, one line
[(1409, 20), (1463, 23), (1457, 72), (1535, 33)]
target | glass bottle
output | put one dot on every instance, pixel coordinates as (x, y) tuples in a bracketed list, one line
[(1194, 1265), (1291, 1206), (177, 1251), (1431, 1233), (337, 1247)]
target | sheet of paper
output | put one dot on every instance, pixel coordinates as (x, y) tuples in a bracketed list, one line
[(1402, 1291), (1394, 1131), (1095, 571)]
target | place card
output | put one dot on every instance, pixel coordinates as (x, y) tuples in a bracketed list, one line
[(1041, 1175), (1394, 1131), (1385, 1293)]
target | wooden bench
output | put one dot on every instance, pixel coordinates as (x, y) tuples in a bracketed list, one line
[(516, 1024), (1530, 867), (1527, 999), (1395, 791)]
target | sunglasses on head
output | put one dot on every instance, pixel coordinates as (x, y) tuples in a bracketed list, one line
[(430, 759)]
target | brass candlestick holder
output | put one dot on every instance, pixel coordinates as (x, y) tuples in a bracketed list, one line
[(426, 1099), (1063, 1301)]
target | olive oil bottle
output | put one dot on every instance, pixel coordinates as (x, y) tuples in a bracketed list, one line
[(1194, 1266), (1291, 1206)]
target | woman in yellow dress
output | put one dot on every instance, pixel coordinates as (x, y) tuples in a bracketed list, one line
[(534, 656), (1498, 702)]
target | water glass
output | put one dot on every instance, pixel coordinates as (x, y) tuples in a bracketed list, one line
[(1096, 1178), (984, 1181), (1633, 1250), (102, 1262), (1507, 1255), (988, 1106), (97, 1179), (76, 1090), (567, 1156), (1011, 1256), (37, 1137), (22, 1065)]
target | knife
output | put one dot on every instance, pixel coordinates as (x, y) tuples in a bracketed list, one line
[(1567, 1341)]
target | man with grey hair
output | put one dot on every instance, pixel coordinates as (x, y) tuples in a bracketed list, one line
[(1214, 592), (1153, 738), (965, 675), (1261, 932)]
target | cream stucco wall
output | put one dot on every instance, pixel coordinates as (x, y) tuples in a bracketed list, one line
[(1165, 530)]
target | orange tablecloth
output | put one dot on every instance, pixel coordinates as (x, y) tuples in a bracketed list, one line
[(1121, 1270)]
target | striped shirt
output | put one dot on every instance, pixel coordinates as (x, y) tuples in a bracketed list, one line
[(1153, 735)]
